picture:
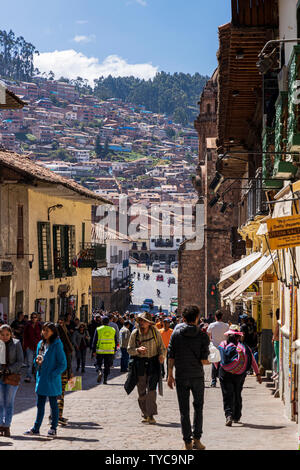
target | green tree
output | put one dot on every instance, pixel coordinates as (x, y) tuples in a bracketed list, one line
[(98, 147)]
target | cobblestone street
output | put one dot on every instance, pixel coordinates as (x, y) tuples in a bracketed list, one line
[(104, 418)]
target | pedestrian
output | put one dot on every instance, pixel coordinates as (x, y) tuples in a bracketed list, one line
[(159, 322), (10, 375), (103, 348), (18, 326), (95, 323), (77, 323), (188, 351), (124, 340), (81, 341), (252, 340), (147, 352), (210, 319), (50, 362), (132, 322), (70, 324), (112, 323), (31, 338), (236, 360), (275, 341), (216, 332), (166, 333), (68, 373)]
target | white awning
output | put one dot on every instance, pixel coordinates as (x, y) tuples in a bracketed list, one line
[(263, 229), (234, 268), (249, 278)]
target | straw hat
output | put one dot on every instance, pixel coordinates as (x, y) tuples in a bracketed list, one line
[(145, 316)]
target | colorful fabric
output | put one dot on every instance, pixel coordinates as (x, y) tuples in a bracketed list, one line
[(237, 359)]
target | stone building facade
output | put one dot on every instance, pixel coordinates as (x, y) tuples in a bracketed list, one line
[(199, 266)]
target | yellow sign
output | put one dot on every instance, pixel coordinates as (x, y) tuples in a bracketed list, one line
[(284, 232)]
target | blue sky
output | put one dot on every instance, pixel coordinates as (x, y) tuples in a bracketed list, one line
[(120, 37)]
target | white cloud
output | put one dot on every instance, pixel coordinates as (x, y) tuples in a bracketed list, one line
[(140, 2), (84, 39), (72, 64)]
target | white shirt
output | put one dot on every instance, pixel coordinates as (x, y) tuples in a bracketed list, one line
[(217, 330)]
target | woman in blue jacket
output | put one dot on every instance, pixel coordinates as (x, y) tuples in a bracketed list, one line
[(50, 362)]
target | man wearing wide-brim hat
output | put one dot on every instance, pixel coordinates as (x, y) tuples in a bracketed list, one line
[(147, 352)]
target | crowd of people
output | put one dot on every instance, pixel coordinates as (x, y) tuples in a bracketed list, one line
[(149, 346)]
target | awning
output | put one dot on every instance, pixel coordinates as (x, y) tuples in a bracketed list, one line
[(249, 278), (234, 268)]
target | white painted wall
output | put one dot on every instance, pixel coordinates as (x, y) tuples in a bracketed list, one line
[(288, 24)]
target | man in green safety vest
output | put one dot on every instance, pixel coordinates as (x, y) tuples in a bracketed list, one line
[(104, 347)]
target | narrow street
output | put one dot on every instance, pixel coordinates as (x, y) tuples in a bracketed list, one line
[(105, 418), (147, 289)]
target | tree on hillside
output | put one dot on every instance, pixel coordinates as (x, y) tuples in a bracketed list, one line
[(98, 147), (16, 57), (170, 133)]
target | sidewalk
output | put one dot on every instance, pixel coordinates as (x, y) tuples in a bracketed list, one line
[(103, 417)]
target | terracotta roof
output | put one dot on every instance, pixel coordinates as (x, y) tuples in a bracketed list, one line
[(12, 101), (23, 165)]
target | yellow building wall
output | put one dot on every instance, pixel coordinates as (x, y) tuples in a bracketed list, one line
[(72, 213)]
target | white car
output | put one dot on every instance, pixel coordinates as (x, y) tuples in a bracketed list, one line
[(174, 264)]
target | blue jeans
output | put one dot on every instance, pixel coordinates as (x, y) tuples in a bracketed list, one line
[(29, 361), (124, 360), (7, 399), (41, 402)]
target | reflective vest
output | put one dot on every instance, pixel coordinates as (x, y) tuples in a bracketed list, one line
[(106, 340)]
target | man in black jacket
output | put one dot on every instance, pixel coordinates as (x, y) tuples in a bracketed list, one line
[(188, 351)]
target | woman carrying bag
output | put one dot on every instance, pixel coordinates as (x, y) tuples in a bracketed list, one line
[(9, 377), (50, 362), (236, 360)]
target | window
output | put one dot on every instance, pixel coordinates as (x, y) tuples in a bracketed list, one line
[(44, 247), (20, 233), (64, 250), (83, 234)]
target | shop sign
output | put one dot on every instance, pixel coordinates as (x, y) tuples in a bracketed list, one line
[(269, 278), (254, 288), (284, 232)]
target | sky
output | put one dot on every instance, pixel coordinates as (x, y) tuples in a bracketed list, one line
[(92, 38)]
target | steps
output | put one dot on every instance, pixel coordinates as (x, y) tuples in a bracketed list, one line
[(272, 384)]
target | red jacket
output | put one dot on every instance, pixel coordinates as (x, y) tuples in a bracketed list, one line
[(32, 335)]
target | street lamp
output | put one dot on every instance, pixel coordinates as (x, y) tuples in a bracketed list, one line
[(53, 208)]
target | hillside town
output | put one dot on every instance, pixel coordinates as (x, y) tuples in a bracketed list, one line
[(140, 254), (110, 147)]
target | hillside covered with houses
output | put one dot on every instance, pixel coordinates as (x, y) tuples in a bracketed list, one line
[(110, 146)]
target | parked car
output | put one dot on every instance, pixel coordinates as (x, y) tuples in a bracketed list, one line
[(156, 267), (160, 277), (145, 308), (174, 264), (149, 302), (162, 264)]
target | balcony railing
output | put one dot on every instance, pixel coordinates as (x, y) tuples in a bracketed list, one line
[(92, 255), (268, 146), (283, 163), (254, 202), (294, 105)]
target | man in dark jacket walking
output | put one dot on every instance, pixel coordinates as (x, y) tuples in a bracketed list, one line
[(188, 351)]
